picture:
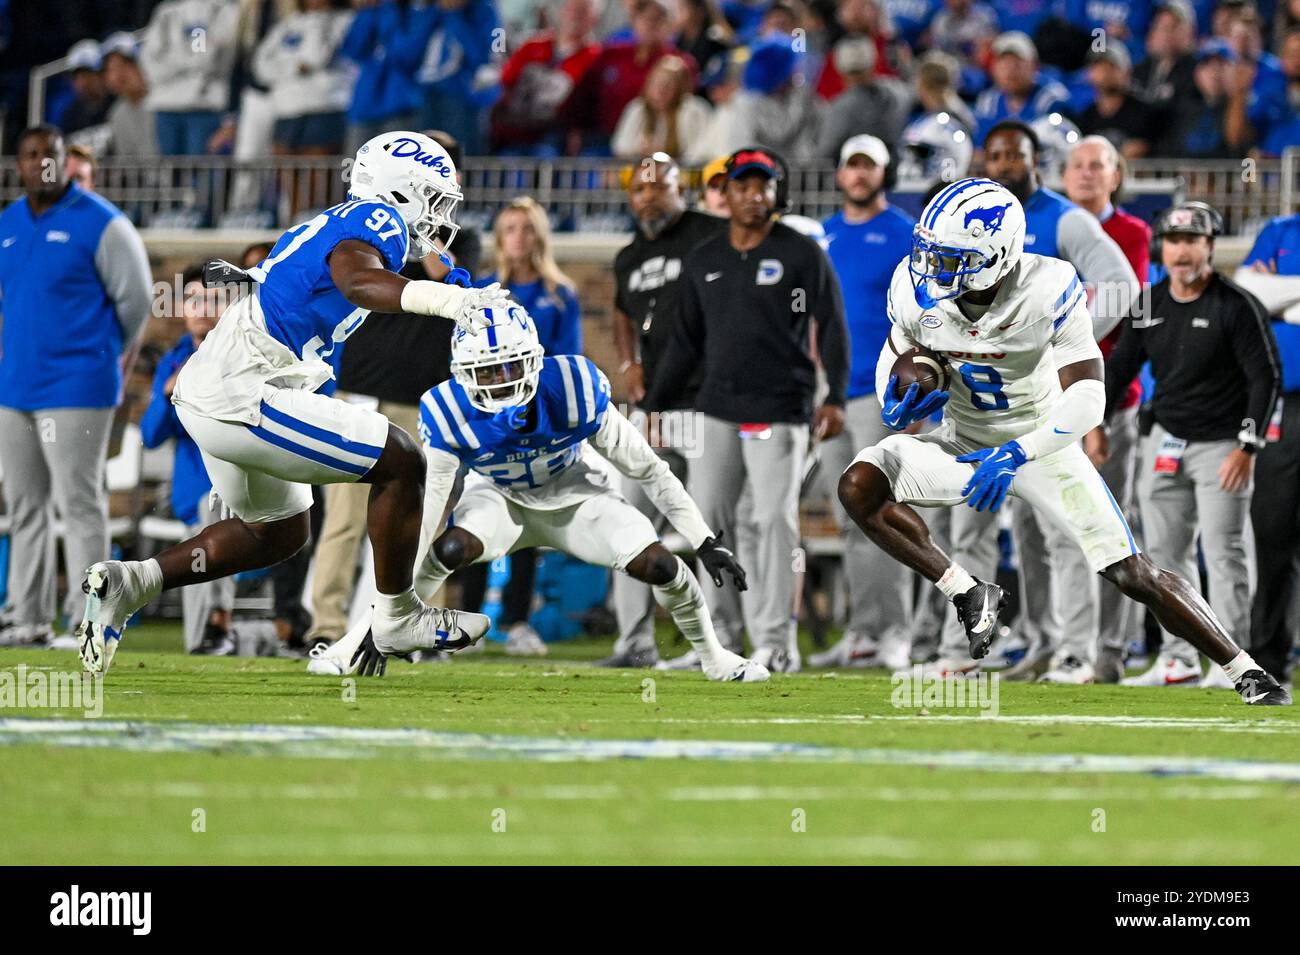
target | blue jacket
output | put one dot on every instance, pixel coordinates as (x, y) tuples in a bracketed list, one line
[(557, 316), (443, 49), (74, 285), (190, 482), (382, 89), (1279, 243)]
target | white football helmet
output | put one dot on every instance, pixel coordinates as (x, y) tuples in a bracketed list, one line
[(969, 236), (935, 146), (1056, 137), (412, 173), (498, 365)]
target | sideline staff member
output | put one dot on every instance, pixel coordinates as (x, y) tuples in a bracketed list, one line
[(749, 299)]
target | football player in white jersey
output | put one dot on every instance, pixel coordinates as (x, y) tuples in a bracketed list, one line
[(535, 433), (1026, 384)]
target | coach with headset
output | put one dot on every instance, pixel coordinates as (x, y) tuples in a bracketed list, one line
[(748, 301), (1217, 373)]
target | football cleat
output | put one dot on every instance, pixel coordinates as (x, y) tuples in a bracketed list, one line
[(112, 594), (630, 660), (728, 667), (978, 610), (1069, 670), (1167, 671), (1257, 688), (432, 628), (778, 659), (853, 650), (523, 641), (337, 659)]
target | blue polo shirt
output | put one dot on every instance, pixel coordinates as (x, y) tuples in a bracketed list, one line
[(865, 255), (1043, 214), (1280, 243), (991, 106), (556, 315), (60, 339)]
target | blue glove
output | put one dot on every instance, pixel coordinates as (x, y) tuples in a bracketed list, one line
[(988, 486), (898, 413), (457, 275)]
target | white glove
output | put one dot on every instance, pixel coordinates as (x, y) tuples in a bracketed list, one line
[(464, 306)]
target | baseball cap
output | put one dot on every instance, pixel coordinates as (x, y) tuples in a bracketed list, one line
[(122, 43), (1017, 43), (752, 160), (1216, 48), (1113, 52), (867, 145), (1179, 8), (772, 63), (855, 55), (1190, 218), (714, 169), (84, 55)]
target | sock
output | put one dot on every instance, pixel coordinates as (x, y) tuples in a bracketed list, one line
[(954, 581), (1236, 667), (390, 608), (429, 576), (684, 602), (147, 576)]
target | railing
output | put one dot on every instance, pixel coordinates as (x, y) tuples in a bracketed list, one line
[(585, 195)]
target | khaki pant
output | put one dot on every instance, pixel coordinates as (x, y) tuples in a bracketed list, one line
[(335, 574)]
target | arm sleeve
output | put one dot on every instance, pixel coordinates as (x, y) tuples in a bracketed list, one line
[(1101, 265), (439, 479), (1255, 348), (1123, 364), (832, 330), (623, 446), (159, 421), (123, 267)]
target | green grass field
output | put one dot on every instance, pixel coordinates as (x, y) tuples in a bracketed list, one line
[(490, 759)]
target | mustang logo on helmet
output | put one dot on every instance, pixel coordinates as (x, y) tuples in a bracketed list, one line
[(991, 217)]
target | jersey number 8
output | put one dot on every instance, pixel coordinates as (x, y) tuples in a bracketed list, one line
[(985, 386)]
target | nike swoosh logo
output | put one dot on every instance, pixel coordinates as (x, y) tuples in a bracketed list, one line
[(1059, 431), (712, 275), (984, 614), (1256, 698), (1003, 328)]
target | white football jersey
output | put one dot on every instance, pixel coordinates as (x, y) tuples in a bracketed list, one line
[(1004, 366)]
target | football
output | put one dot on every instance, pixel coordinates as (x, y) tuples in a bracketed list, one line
[(927, 368)]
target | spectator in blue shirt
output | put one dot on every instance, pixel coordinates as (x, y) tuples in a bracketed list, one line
[(865, 241), (1273, 114), (76, 288), (1124, 20), (207, 606), (384, 96), (1018, 91), (1025, 16), (443, 45)]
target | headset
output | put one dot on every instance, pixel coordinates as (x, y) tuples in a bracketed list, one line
[(1191, 218), (782, 173)]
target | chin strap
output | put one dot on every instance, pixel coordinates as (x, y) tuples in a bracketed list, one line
[(457, 275)]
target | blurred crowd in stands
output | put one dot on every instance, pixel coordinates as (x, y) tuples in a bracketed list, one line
[(692, 78)]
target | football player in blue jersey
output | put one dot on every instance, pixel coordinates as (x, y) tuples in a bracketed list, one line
[(248, 396), (529, 428)]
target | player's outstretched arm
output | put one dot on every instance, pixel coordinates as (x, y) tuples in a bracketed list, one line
[(622, 445), (360, 274)]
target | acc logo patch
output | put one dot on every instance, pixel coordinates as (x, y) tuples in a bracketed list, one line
[(931, 320), (770, 272)]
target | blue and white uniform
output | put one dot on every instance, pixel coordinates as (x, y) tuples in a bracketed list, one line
[(249, 395), (548, 485)]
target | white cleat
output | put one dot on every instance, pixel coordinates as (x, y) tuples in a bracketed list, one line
[(778, 659), (690, 660), (1166, 671), (728, 667), (337, 659), (112, 595), (431, 628), (1216, 679), (1069, 670), (523, 641)]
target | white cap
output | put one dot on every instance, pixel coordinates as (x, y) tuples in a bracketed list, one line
[(122, 43), (84, 55), (867, 145), (1017, 44)]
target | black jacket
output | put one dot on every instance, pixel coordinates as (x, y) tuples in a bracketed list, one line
[(1214, 359)]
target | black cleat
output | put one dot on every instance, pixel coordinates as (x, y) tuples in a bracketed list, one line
[(1257, 688), (631, 660), (978, 610)]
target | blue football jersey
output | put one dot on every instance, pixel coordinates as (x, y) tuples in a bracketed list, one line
[(303, 308), (571, 400)]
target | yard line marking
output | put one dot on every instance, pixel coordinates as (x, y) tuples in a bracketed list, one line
[(338, 742), (1224, 724)]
